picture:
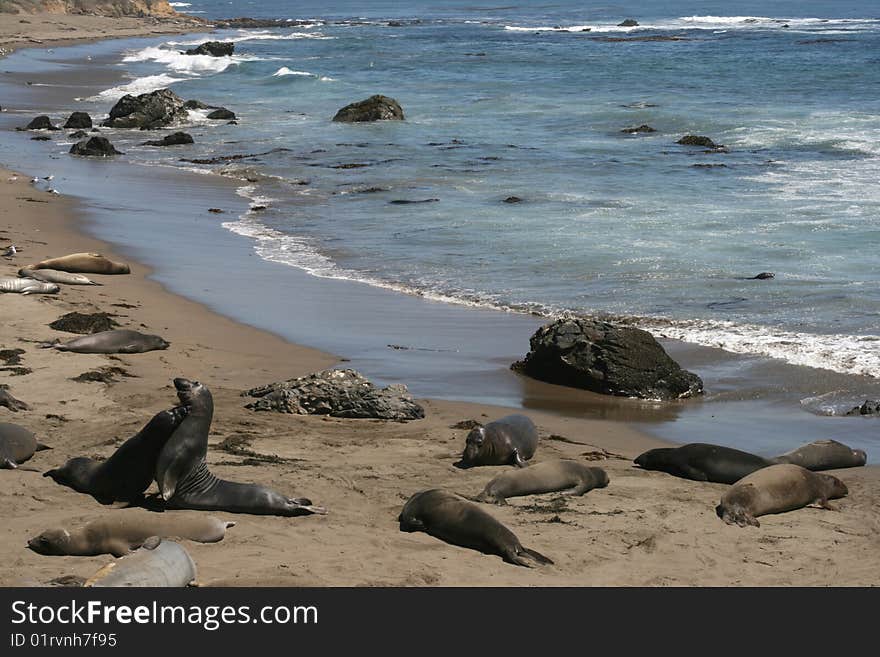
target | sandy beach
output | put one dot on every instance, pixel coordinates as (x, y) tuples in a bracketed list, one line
[(644, 529)]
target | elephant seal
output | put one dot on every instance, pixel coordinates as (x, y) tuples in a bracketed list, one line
[(568, 477), (129, 471), (115, 341), (54, 276), (84, 263), (120, 532), (159, 562), (511, 440), (17, 445), (185, 481), (702, 462), (453, 519), (10, 402), (824, 455), (777, 489), (27, 286)]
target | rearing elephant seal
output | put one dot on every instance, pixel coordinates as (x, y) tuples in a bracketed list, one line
[(776, 489), (453, 519), (568, 477), (116, 341), (185, 481), (120, 532), (824, 455), (129, 471), (511, 440), (702, 462), (17, 445), (84, 263)]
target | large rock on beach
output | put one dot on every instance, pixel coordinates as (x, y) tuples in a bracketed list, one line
[(339, 393), (78, 121), (147, 111), (213, 49), (174, 139), (41, 122), (94, 147), (612, 360), (374, 108), (697, 140)]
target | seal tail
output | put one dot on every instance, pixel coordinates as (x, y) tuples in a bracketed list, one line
[(41, 447), (48, 345)]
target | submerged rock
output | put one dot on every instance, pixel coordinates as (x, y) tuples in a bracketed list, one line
[(608, 359), (147, 111), (222, 114), (41, 122), (174, 139), (870, 407), (697, 140), (339, 393), (639, 128), (629, 22), (374, 108), (94, 147), (213, 48), (79, 134), (78, 121)]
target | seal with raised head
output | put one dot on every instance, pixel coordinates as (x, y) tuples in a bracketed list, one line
[(84, 263), (511, 440), (17, 445), (115, 341), (702, 462), (185, 482), (777, 489), (120, 532), (158, 562), (561, 475), (453, 519), (129, 471), (55, 276), (824, 455)]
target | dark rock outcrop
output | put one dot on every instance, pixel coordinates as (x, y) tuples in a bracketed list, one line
[(696, 140), (374, 108), (222, 114), (84, 323), (213, 48), (602, 357), (639, 128), (763, 276), (870, 407), (174, 139), (41, 122), (512, 199), (78, 121), (196, 105), (629, 22), (339, 393), (94, 147), (147, 111)]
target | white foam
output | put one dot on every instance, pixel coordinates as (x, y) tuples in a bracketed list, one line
[(135, 87), (179, 4), (264, 35), (719, 24), (281, 72), (193, 65)]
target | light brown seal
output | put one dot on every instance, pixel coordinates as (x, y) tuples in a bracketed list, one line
[(511, 440), (824, 455), (159, 562), (777, 489), (561, 475), (55, 276), (84, 263)]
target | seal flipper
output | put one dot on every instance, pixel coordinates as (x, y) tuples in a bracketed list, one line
[(517, 460), (9, 464), (41, 447), (528, 558)]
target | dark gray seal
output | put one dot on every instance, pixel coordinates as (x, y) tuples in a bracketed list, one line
[(129, 471), (777, 489), (824, 455), (185, 481), (702, 462), (511, 440), (453, 519), (116, 341), (17, 445), (561, 475)]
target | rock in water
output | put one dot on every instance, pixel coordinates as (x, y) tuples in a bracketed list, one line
[(174, 139), (629, 22), (374, 108), (78, 121), (340, 393), (147, 111), (222, 114), (94, 147), (639, 128), (608, 359), (42, 122), (213, 48), (696, 140), (870, 407)]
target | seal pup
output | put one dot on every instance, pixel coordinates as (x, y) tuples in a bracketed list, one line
[(158, 562), (129, 471), (185, 481), (562, 475), (84, 263), (453, 519), (120, 532), (777, 489), (10, 402), (824, 455), (702, 462), (17, 445), (27, 286), (115, 341), (55, 276), (511, 440)]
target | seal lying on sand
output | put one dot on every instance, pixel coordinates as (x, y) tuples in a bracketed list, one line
[(17, 445), (562, 475), (27, 286), (185, 481), (84, 263), (120, 532), (453, 519), (116, 341), (776, 489), (702, 462), (159, 562), (54, 276), (129, 471), (511, 440), (824, 455), (10, 402)]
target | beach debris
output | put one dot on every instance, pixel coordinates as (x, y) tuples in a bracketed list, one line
[(11, 356), (103, 375), (94, 147), (374, 108), (466, 425), (41, 122), (609, 359), (644, 128), (78, 121), (339, 393), (148, 111), (697, 140), (870, 407), (10, 402), (174, 139), (213, 49), (221, 114)]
